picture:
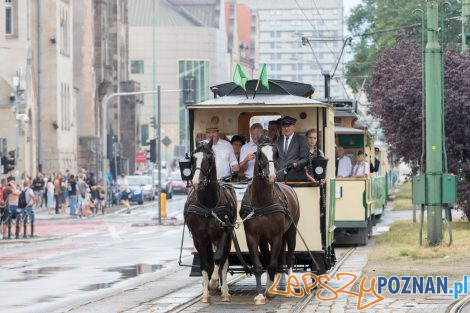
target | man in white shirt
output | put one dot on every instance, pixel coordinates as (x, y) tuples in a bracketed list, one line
[(344, 164), (361, 169), (225, 160), (247, 154)]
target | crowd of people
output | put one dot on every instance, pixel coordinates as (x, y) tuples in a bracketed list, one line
[(296, 152), (79, 196)]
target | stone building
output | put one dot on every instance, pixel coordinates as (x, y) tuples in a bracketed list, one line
[(197, 39), (36, 41), (101, 68)]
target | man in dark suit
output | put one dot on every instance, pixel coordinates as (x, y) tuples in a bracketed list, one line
[(293, 152)]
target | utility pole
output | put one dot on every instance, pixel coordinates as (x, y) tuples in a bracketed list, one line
[(16, 83), (465, 25), (436, 189), (434, 125)]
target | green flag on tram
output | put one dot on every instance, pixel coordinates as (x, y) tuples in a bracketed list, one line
[(263, 77), (239, 78)]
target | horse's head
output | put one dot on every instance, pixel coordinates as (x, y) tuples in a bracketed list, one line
[(266, 159), (202, 161)]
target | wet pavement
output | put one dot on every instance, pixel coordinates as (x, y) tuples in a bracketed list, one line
[(128, 263), (72, 260)]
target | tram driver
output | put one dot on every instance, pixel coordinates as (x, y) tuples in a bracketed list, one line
[(248, 152), (225, 160), (293, 151)]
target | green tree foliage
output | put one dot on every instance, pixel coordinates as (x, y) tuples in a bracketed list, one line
[(394, 90), (374, 23)]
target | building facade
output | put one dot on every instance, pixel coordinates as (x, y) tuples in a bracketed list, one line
[(100, 69), (36, 41), (190, 41), (283, 23)]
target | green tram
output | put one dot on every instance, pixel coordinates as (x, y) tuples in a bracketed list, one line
[(235, 112), (360, 201)]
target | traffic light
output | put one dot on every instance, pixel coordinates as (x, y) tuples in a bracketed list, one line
[(152, 122), (153, 150), (8, 164)]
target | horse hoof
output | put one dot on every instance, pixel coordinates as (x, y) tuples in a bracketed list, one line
[(205, 299), (260, 299), (226, 298)]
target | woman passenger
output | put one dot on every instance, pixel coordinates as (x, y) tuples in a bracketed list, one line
[(312, 138)]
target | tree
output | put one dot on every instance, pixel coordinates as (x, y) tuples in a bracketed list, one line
[(374, 22), (395, 93)]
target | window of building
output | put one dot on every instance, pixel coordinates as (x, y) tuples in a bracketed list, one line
[(199, 70), (137, 67), (144, 134), (9, 18)]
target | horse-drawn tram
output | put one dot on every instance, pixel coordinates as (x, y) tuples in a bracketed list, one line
[(302, 212)]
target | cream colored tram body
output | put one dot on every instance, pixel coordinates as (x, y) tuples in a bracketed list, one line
[(234, 113), (360, 201)]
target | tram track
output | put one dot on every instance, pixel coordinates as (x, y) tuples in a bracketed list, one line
[(297, 308), (460, 306)]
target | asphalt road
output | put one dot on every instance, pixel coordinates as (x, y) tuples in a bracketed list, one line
[(73, 260)]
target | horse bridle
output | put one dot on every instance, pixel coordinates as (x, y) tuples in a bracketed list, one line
[(206, 174), (261, 167)]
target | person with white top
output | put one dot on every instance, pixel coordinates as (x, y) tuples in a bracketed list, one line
[(225, 160), (361, 169), (344, 164), (248, 152)]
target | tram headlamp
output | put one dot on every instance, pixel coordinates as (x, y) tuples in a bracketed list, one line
[(185, 169), (319, 164)]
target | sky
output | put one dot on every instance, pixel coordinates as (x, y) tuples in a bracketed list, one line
[(348, 4)]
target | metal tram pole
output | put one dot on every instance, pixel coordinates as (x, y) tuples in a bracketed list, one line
[(434, 126)]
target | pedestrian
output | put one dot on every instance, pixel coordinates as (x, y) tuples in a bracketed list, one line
[(64, 194), (50, 195), (72, 188), (38, 189), (81, 194), (30, 200), (13, 197), (125, 192), (57, 192)]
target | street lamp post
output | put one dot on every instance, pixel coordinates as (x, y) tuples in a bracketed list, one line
[(104, 118), (16, 83)]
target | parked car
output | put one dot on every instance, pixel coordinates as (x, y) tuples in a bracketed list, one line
[(166, 184), (178, 185), (142, 185)]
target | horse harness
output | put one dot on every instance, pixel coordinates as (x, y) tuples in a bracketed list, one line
[(219, 209), (248, 211)]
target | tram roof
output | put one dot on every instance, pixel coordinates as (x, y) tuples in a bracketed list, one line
[(280, 92), (349, 130)]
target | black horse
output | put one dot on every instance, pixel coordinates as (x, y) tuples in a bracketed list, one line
[(274, 208), (209, 210)]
